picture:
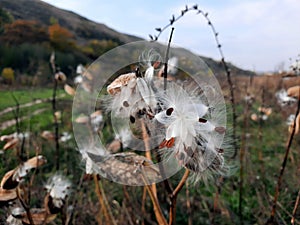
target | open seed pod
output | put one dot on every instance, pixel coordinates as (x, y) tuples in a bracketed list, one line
[(297, 125), (23, 169), (127, 166), (7, 181), (60, 77), (58, 188), (48, 135), (69, 90), (7, 195), (7, 137), (11, 144), (115, 86), (38, 215), (82, 119), (294, 91)]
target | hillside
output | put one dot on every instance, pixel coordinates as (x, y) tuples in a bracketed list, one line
[(31, 29), (80, 26)]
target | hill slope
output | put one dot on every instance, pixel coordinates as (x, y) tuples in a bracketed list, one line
[(80, 26), (84, 32)]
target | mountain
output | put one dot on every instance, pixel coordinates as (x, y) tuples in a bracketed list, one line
[(37, 28), (80, 26)]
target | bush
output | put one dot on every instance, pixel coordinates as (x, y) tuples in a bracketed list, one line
[(8, 75)]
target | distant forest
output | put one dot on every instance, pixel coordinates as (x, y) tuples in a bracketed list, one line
[(26, 46)]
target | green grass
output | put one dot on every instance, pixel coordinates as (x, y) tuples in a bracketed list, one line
[(24, 96)]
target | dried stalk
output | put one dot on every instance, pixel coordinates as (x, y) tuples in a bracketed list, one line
[(242, 156), (279, 181), (56, 131), (147, 152), (295, 208), (219, 46), (156, 207), (152, 189), (101, 201), (25, 206), (173, 197), (188, 203)]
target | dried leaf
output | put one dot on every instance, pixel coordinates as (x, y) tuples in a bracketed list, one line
[(12, 143), (69, 90)]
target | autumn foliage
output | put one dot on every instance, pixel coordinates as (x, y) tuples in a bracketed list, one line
[(60, 38), (22, 31)]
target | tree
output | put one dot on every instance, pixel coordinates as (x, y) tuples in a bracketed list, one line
[(60, 38), (8, 75), (22, 31), (5, 17)]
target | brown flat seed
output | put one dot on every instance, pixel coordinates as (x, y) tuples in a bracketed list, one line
[(220, 130)]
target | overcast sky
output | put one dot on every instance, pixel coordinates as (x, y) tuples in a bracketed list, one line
[(258, 35)]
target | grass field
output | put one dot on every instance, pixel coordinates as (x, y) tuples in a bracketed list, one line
[(263, 144)]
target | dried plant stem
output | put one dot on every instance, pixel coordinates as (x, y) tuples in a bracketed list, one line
[(25, 206), (75, 200), (188, 203), (101, 200), (295, 208), (152, 189), (173, 197), (156, 207), (219, 46), (260, 135), (56, 131), (242, 156), (20, 151), (166, 60), (147, 152), (279, 181), (216, 199), (143, 205)]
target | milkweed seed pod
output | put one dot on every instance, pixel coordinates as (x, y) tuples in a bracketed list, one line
[(60, 77), (126, 167), (58, 189), (48, 135), (283, 99), (294, 91), (39, 216), (254, 117), (11, 144), (192, 135), (69, 90), (23, 169), (295, 125), (121, 81)]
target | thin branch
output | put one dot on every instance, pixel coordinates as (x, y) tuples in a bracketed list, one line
[(167, 59), (279, 181), (242, 158), (173, 197), (100, 199), (25, 206), (156, 207), (219, 46), (188, 203), (295, 208)]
